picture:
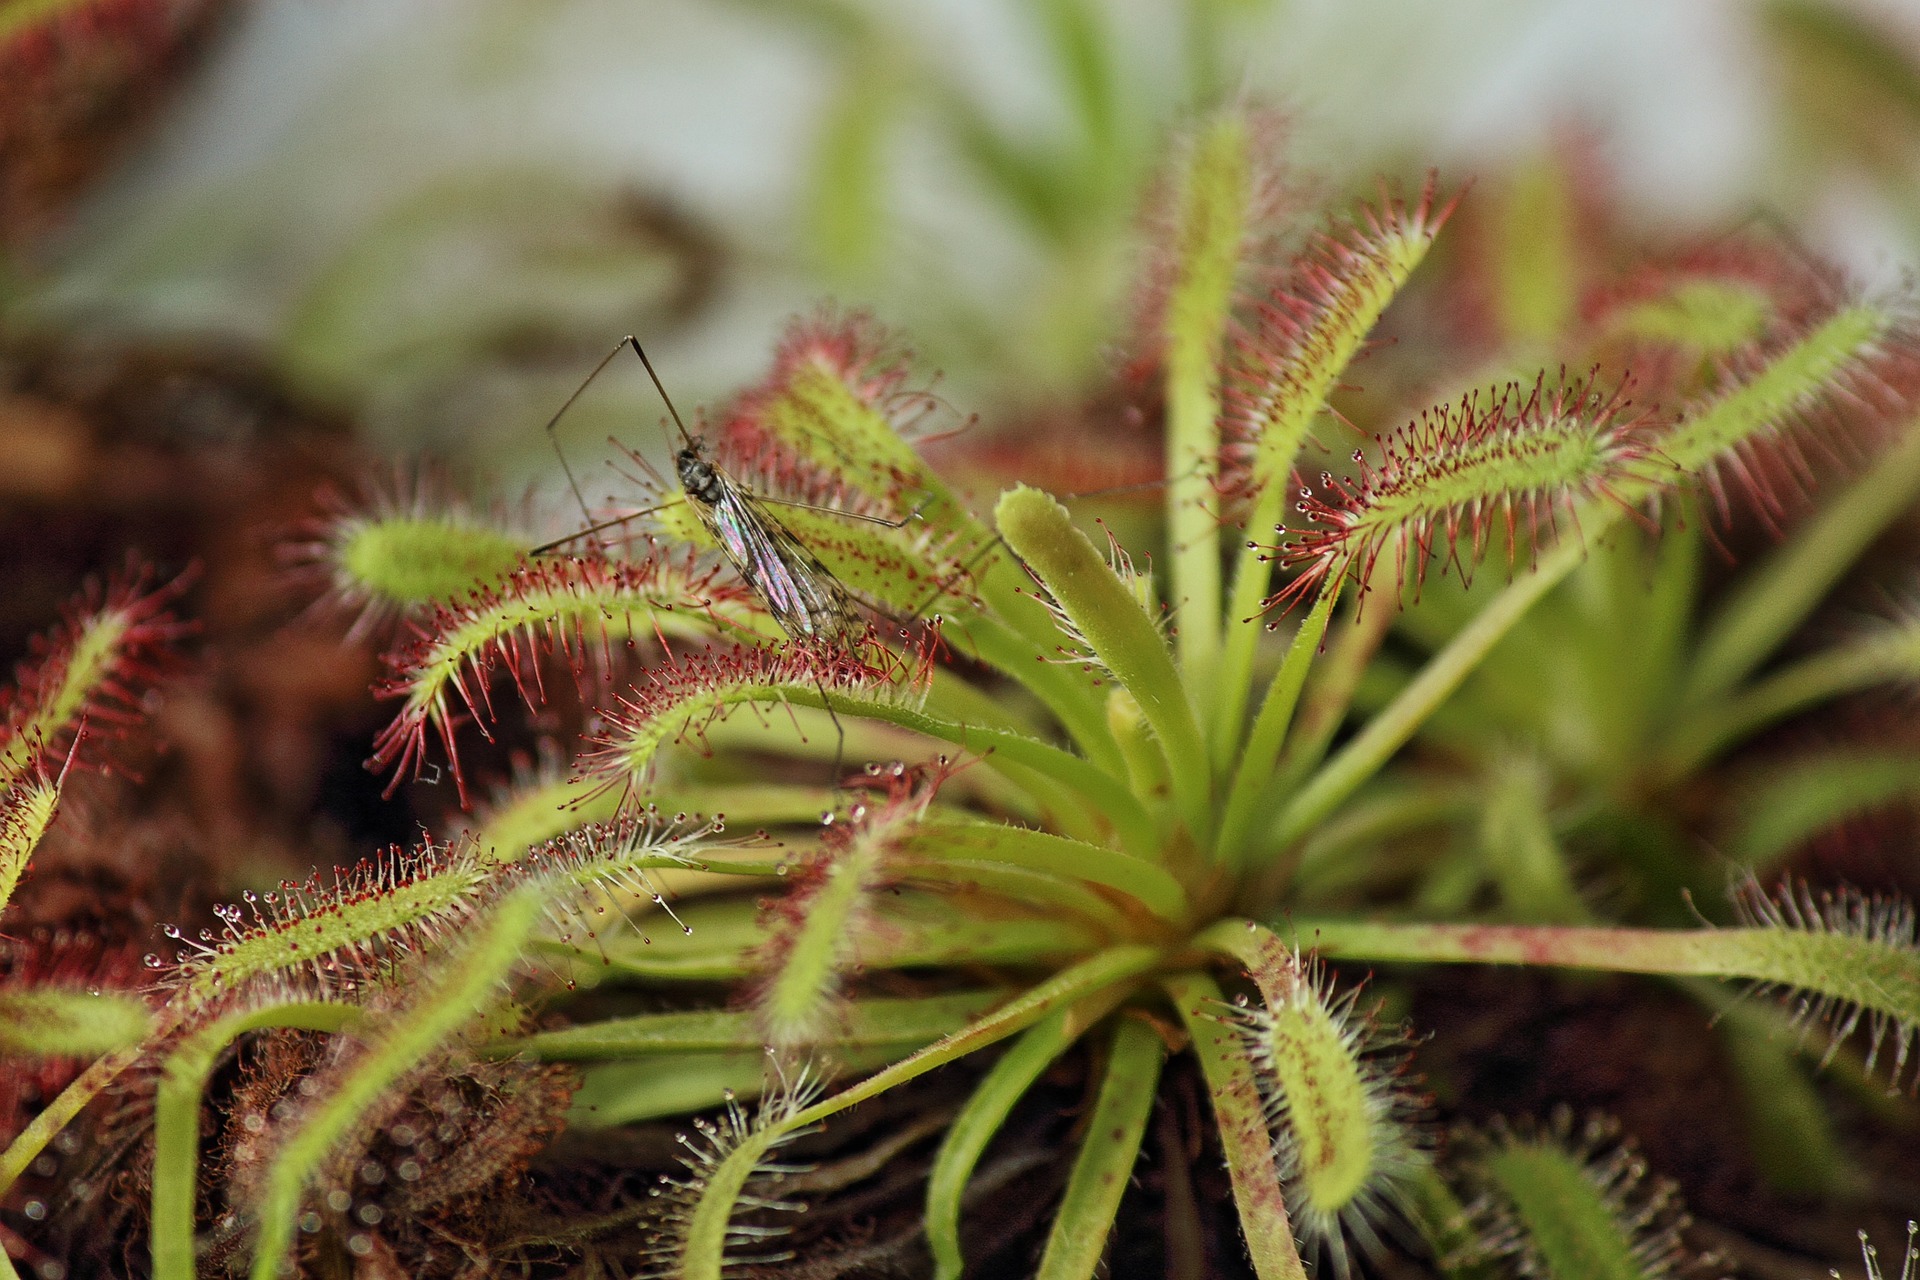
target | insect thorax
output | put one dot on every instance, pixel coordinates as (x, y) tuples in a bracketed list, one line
[(698, 478)]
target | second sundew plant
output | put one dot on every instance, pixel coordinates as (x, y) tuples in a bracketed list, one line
[(1083, 781)]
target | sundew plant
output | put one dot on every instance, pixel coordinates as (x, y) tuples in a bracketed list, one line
[(1034, 797)]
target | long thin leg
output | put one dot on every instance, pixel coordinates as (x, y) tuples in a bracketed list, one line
[(840, 733), (882, 521), (553, 438), (592, 529)]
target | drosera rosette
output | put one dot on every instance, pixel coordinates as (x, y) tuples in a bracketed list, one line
[(1157, 861), (1117, 830)]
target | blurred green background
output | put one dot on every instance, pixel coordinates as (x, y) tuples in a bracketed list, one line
[(438, 216)]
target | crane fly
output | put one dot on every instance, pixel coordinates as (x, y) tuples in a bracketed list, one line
[(803, 596), (806, 600)]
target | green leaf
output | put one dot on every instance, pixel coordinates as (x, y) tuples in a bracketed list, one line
[(818, 940), (1840, 953), (1710, 317), (721, 937), (1253, 776), (50, 1022), (1520, 849), (86, 659), (618, 1093), (1787, 1128), (703, 1252), (1767, 604), (1240, 1115), (1536, 256), (561, 604), (403, 560), (1887, 654), (56, 1115), (437, 1005), (1385, 733), (973, 840), (176, 1118), (27, 807), (1108, 1154), (531, 815), (1796, 799), (857, 1024), (985, 1111), (1085, 64), (1563, 1206), (1344, 284), (1792, 381), (1212, 210), (1064, 897), (1117, 630), (1075, 792), (914, 927)]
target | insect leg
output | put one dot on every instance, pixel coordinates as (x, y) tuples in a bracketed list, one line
[(840, 732), (553, 438), (592, 529)]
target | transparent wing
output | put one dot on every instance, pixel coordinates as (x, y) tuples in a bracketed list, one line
[(802, 594)]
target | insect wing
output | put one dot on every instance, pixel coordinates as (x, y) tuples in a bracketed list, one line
[(801, 593)]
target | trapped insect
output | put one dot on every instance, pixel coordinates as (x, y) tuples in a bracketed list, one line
[(804, 597)]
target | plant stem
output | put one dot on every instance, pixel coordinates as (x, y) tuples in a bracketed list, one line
[(1822, 676), (1361, 758), (703, 1256), (443, 1003), (1779, 595), (1251, 576), (1213, 211), (1262, 751), (176, 1119), (1241, 1118), (41, 1129)]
